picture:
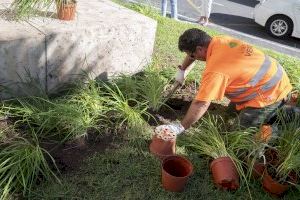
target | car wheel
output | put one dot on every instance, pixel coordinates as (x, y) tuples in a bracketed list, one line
[(279, 26)]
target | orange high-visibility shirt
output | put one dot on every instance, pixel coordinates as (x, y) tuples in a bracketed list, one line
[(242, 73)]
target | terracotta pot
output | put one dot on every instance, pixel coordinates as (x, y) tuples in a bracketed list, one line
[(66, 12), (264, 134), (224, 173), (258, 170), (176, 171), (273, 187), (162, 148)]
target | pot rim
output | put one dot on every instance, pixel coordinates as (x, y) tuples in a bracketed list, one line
[(219, 159), (178, 157)]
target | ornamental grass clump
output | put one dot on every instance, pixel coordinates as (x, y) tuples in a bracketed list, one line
[(207, 140), (62, 119), (128, 85), (23, 163), (71, 117), (125, 111), (151, 88), (211, 139), (285, 169), (26, 8)]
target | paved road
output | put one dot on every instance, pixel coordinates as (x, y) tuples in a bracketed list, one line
[(235, 18)]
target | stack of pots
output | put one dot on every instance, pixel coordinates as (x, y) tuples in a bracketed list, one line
[(175, 170)]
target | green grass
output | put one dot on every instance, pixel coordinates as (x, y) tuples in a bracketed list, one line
[(127, 174), (23, 163)]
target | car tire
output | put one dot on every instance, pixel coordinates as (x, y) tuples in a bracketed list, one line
[(279, 26)]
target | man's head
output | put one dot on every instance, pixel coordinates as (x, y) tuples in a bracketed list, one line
[(194, 42)]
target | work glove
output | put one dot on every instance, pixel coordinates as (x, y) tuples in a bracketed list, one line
[(181, 74), (169, 131)]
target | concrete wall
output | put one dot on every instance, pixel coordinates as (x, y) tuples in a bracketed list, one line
[(104, 40)]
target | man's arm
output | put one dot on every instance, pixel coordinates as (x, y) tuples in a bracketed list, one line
[(186, 62), (195, 112)]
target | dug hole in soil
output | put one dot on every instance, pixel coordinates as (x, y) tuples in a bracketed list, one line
[(70, 156)]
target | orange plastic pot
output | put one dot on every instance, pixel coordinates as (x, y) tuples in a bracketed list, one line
[(275, 188), (272, 186), (176, 171), (162, 148), (265, 133), (66, 12), (224, 173)]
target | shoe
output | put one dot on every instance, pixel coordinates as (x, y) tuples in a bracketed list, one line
[(205, 23)]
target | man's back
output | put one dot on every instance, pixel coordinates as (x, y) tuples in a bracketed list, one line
[(243, 73)]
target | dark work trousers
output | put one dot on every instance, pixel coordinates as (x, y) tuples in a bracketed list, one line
[(254, 117)]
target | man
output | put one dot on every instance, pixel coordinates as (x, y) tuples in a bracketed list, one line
[(256, 83)]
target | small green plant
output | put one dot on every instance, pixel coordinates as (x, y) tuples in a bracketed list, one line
[(128, 85), (22, 164), (151, 87), (125, 110), (65, 118), (209, 138), (288, 148), (72, 116)]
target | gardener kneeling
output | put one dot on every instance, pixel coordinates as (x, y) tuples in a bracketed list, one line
[(254, 82)]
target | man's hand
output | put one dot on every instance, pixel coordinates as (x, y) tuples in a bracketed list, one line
[(182, 72), (180, 76), (172, 130)]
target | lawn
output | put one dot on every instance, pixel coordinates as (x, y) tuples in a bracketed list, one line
[(105, 134)]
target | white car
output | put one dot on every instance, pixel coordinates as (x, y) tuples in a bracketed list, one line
[(281, 18)]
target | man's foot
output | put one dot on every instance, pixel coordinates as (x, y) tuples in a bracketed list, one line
[(205, 23), (201, 20)]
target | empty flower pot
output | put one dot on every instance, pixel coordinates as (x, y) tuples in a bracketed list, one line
[(176, 171), (224, 173), (162, 148), (66, 11)]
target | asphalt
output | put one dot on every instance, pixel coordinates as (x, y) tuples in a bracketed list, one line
[(234, 17)]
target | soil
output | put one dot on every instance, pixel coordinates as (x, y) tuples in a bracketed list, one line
[(70, 156)]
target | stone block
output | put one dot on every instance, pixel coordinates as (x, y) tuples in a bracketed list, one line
[(104, 40)]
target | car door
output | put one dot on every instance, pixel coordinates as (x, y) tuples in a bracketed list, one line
[(296, 11)]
